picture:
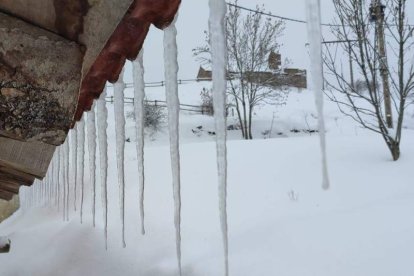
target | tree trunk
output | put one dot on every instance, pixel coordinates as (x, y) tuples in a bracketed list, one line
[(394, 148), (250, 123), (239, 117), (246, 130)]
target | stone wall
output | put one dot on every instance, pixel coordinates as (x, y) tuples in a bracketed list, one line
[(7, 208)]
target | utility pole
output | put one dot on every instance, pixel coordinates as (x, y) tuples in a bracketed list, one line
[(351, 63), (377, 15)]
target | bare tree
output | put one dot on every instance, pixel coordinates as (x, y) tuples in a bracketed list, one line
[(384, 62), (250, 41)]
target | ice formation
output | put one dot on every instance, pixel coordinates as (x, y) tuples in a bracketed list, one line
[(313, 9), (119, 87), (102, 116), (219, 67), (74, 151), (91, 128), (81, 162), (139, 110), (173, 106)]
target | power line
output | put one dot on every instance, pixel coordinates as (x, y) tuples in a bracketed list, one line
[(278, 16), (289, 18)]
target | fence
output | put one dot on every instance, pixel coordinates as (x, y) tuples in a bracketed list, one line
[(203, 109), (160, 83)]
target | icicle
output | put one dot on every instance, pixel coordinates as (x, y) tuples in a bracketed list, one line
[(92, 153), (313, 9), (74, 151), (33, 195), (33, 192), (29, 198), (119, 87), (62, 179), (81, 162), (42, 191), (39, 193), (173, 104), (48, 184), (44, 184), (66, 150), (139, 108), (47, 187), (46, 191), (102, 114), (219, 67), (52, 179), (56, 192)]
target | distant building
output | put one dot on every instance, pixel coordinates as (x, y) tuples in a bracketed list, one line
[(204, 75), (275, 61), (275, 77)]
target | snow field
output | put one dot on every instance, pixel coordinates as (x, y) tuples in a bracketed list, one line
[(280, 221)]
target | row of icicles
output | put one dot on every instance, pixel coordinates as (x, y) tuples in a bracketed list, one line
[(67, 166), (70, 179)]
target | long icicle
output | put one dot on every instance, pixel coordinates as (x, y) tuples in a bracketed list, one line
[(53, 183), (57, 189), (81, 163), (34, 193), (313, 9), (92, 156), (139, 110), (56, 192), (119, 87), (67, 156), (44, 189), (173, 105), (219, 68), (74, 151), (62, 180), (44, 184), (50, 178), (51, 174), (102, 116)]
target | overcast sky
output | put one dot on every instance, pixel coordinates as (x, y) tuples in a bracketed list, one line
[(193, 20)]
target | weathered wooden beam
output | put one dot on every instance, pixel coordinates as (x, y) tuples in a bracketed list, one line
[(9, 184), (6, 195), (12, 181), (28, 157), (23, 178), (40, 75)]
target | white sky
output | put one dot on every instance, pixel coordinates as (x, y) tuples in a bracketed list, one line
[(193, 20)]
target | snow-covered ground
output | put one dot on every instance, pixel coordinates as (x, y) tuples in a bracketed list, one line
[(280, 220)]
